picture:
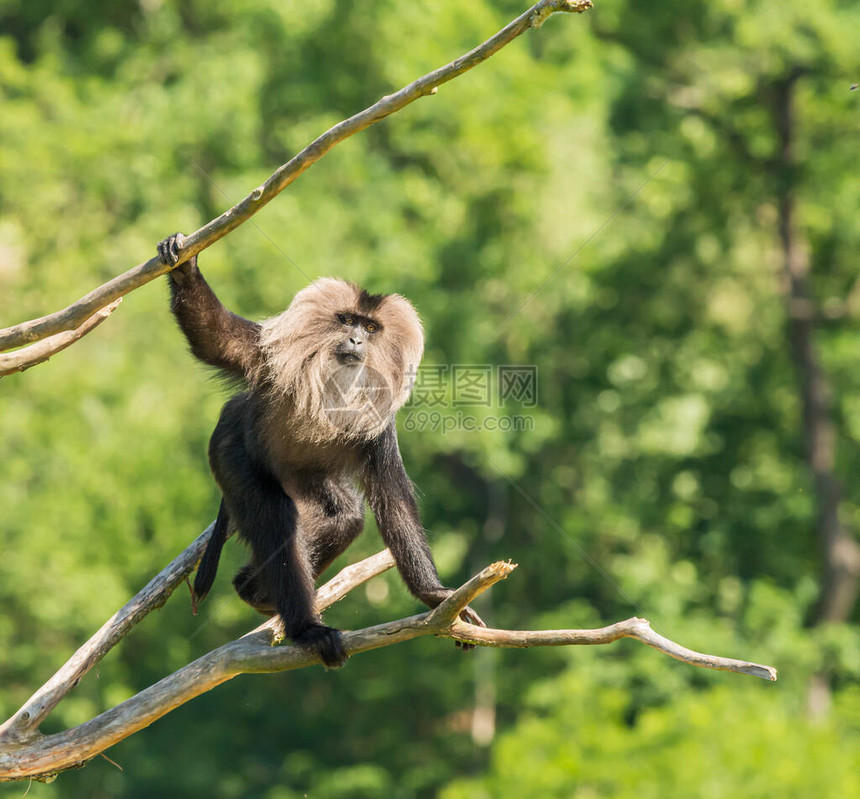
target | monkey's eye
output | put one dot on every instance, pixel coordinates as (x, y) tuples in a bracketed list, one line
[(371, 327), (346, 319)]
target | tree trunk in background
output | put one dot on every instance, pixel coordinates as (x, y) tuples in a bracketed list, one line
[(484, 713), (840, 552)]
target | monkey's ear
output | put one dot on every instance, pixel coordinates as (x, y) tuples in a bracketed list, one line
[(403, 323)]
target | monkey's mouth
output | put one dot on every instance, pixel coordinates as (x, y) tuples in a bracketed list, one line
[(348, 357)]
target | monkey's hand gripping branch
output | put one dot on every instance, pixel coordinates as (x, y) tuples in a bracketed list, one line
[(25, 752)]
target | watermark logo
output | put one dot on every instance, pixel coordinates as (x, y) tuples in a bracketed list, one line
[(518, 384), (357, 399), (472, 386), (437, 422), (442, 393)]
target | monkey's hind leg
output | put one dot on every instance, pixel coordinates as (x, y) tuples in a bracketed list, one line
[(267, 519), (274, 539), (250, 585)]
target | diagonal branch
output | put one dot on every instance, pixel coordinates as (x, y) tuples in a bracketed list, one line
[(446, 613), (75, 314), (153, 595), (35, 755)]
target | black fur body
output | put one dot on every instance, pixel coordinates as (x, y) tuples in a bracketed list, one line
[(294, 495)]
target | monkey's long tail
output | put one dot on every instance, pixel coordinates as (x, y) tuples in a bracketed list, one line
[(208, 567)]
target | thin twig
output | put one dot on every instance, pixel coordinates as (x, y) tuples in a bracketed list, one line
[(22, 359), (639, 629), (72, 316)]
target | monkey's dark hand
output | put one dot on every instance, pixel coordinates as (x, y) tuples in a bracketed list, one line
[(327, 641), (168, 251), (470, 617)]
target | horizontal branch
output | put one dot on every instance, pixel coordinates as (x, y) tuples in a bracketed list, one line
[(253, 653), (72, 316), (37, 353), (638, 629)]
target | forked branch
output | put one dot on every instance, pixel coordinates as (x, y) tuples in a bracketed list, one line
[(37, 353), (78, 312), (24, 752)]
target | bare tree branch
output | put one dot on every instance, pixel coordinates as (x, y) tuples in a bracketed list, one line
[(153, 595), (24, 752), (75, 314), (37, 353), (639, 629), (445, 614)]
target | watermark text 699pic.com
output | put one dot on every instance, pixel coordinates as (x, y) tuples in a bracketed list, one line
[(440, 388)]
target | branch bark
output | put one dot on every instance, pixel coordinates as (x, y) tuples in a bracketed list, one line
[(26, 753), (638, 629), (39, 352), (153, 595), (75, 314)]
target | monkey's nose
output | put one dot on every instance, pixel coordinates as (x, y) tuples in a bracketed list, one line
[(356, 342)]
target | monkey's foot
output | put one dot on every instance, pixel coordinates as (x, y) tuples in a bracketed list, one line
[(470, 617), (327, 641)]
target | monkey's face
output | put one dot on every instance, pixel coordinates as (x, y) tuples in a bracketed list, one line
[(345, 357), (355, 335)]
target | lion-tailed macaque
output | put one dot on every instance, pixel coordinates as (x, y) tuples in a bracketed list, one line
[(312, 431)]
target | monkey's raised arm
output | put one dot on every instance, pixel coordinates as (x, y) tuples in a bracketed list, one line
[(217, 336), (392, 499)]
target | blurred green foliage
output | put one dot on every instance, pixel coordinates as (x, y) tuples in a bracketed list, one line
[(609, 178)]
